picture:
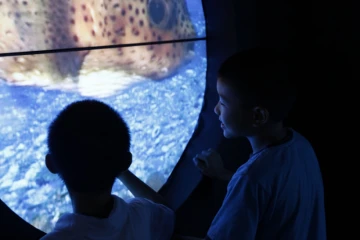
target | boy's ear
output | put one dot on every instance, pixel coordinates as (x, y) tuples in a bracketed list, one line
[(50, 164), (124, 163), (260, 116)]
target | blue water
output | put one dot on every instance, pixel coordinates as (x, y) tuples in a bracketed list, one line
[(161, 115)]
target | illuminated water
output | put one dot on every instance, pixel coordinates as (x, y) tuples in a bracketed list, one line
[(161, 116)]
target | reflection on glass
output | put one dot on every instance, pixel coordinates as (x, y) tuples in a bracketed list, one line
[(161, 112), (43, 25)]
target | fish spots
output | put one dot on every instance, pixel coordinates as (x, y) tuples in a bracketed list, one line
[(82, 23), (182, 18), (129, 62), (135, 31), (120, 32), (120, 51), (76, 38)]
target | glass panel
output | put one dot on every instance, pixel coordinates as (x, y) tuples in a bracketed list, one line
[(44, 25), (157, 90)]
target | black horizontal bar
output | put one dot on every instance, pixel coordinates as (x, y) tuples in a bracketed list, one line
[(97, 47)]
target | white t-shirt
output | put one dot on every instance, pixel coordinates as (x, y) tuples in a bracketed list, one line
[(137, 218)]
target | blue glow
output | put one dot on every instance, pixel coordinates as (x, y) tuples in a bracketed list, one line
[(162, 116)]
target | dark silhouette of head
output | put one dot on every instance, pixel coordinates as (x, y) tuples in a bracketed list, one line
[(89, 145), (254, 90)]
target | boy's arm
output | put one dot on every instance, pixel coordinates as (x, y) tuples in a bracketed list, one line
[(240, 212), (140, 189)]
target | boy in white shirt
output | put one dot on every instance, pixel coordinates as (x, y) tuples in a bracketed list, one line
[(89, 146)]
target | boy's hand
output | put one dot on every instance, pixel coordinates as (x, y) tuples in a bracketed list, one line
[(210, 164)]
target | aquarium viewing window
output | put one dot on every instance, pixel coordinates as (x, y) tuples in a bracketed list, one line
[(153, 73)]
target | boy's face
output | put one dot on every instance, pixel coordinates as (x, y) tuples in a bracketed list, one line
[(236, 120)]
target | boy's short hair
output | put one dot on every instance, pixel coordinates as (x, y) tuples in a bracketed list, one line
[(261, 78), (87, 142)]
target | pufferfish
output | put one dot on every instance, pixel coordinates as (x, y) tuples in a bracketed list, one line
[(35, 25)]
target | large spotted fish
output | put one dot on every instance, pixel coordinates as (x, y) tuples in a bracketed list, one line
[(34, 25)]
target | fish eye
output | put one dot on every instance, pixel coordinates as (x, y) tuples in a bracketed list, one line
[(157, 11)]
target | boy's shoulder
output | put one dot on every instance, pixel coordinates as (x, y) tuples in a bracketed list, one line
[(143, 204), (278, 160), (158, 217)]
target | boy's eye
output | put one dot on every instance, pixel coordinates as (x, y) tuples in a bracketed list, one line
[(220, 101)]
